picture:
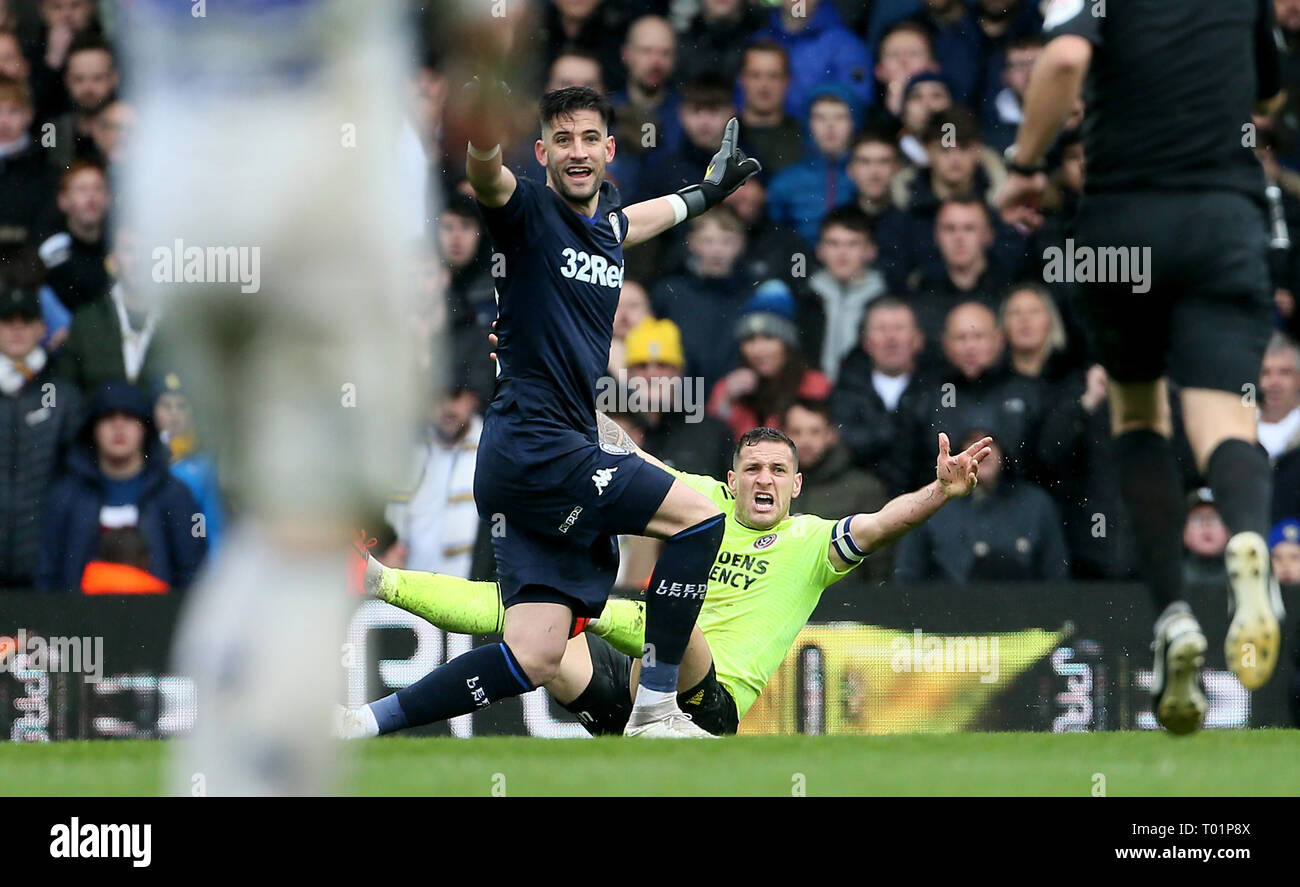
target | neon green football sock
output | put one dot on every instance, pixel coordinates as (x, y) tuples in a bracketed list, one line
[(449, 602), (622, 624), (466, 607)]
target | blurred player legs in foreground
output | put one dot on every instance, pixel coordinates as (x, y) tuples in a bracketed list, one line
[(270, 128), (1203, 316)]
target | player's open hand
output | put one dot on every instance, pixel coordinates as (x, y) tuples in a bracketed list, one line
[(480, 37), (959, 474)]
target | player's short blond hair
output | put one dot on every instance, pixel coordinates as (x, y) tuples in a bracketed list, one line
[(760, 435)]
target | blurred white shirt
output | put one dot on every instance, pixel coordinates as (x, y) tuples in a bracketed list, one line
[(1274, 436)]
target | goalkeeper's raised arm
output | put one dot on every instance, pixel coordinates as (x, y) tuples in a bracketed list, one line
[(485, 106), (479, 108), (726, 172), (858, 535)]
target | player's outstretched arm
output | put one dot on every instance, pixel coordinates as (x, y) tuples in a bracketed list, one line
[(612, 433), (484, 104), (727, 171), (486, 54), (857, 536)]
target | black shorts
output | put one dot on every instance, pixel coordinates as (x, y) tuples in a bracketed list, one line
[(1208, 313), (608, 703), (554, 520)]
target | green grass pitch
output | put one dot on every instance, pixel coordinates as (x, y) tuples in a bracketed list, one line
[(1259, 762)]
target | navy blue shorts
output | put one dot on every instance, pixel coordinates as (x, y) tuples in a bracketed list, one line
[(554, 520)]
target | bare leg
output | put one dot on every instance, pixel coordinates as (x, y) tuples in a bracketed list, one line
[(574, 673), (535, 634), (1211, 417)]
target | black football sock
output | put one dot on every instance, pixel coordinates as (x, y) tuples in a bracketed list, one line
[(1239, 474), (1153, 492), (673, 600), (467, 683)]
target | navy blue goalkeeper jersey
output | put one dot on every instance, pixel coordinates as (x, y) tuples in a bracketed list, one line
[(555, 304)]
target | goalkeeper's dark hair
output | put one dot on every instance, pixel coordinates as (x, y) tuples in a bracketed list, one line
[(760, 435), (564, 102)]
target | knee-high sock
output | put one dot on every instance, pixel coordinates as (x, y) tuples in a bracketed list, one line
[(1153, 492), (674, 598), (1239, 474), (467, 683), (449, 602)]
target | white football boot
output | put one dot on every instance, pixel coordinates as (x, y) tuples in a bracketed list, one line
[(664, 721), (1177, 694), (1254, 639)]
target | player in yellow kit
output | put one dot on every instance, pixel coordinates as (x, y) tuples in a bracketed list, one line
[(769, 574)]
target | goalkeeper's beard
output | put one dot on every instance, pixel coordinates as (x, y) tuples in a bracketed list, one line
[(570, 194)]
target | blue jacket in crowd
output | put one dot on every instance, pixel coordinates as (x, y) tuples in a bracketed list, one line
[(71, 528), (824, 50)]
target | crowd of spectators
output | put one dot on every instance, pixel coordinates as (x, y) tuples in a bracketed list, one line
[(104, 485), (861, 292)]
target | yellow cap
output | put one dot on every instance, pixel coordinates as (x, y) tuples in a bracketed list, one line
[(655, 341)]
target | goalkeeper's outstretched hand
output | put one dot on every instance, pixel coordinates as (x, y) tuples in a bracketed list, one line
[(480, 113), (727, 171)]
